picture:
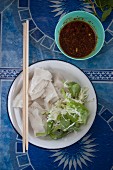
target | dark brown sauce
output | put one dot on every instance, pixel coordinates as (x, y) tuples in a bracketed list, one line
[(77, 39)]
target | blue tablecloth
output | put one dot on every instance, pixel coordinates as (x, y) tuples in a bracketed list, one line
[(95, 150)]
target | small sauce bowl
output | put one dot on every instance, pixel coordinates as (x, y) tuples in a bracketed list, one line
[(88, 18)]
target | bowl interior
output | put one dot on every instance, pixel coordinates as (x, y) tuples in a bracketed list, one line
[(68, 72), (90, 19)]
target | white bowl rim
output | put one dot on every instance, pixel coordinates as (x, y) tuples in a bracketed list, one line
[(9, 109)]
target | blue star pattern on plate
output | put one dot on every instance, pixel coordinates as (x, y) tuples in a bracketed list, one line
[(82, 154)]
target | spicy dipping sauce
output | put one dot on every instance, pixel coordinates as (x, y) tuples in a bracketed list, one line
[(77, 39)]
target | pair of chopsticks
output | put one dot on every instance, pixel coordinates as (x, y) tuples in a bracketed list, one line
[(25, 83)]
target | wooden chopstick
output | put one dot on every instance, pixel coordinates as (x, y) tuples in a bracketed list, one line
[(23, 115), (25, 83), (27, 78)]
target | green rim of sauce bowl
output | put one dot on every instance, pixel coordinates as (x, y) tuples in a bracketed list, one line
[(88, 18)]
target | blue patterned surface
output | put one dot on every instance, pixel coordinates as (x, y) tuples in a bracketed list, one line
[(95, 150)]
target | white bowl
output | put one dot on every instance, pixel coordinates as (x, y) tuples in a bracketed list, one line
[(69, 72)]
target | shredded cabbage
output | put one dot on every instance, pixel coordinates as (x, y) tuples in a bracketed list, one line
[(69, 113)]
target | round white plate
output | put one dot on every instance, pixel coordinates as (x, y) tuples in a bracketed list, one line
[(69, 72)]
